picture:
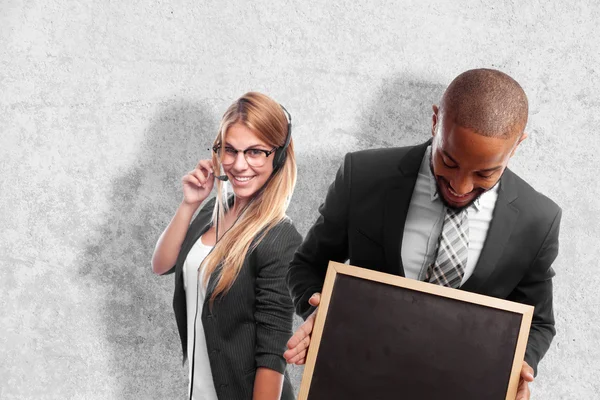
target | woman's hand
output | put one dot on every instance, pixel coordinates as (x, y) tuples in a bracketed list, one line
[(198, 183)]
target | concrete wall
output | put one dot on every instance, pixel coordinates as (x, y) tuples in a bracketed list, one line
[(105, 105)]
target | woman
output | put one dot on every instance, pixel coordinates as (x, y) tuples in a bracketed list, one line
[(231, 302)]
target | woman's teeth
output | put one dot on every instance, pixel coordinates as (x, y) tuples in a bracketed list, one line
[(243, 178)]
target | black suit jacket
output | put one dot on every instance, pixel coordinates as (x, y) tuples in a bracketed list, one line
[(362, 220), (248, 327)]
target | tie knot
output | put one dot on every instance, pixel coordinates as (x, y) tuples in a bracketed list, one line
[(453, 211)]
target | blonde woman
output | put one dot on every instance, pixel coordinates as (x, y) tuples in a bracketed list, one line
[(231, 303)]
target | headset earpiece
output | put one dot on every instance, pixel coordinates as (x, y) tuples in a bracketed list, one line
[(281, 152)]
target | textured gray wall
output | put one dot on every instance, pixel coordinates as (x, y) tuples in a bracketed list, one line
[(105, 105)]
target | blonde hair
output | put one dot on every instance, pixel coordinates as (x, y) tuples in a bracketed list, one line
[(267, 120)]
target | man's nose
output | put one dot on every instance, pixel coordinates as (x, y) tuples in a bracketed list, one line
[(461, 184)]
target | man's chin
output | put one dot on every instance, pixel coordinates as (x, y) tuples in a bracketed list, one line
[(446, 198), (458, 206)]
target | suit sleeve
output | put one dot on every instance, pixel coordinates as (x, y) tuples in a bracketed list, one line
[(274, 310), (326, 240), (536, 289)]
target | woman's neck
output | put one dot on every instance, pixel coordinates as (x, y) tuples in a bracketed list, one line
[(238, 206)]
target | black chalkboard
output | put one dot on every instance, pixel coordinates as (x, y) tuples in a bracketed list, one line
[(385, 341)]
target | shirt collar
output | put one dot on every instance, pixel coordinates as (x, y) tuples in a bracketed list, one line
[(425, 169)]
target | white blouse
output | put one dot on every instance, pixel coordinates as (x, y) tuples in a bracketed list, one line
[(204, 388)]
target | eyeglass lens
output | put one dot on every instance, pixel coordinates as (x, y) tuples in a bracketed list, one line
[(254, 157)]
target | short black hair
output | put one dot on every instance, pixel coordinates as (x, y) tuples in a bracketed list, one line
[(487, 101)]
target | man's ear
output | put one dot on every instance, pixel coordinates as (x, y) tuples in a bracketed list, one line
[(434, 119), (524, 136)]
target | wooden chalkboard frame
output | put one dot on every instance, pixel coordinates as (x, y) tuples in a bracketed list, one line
[(335, 268)]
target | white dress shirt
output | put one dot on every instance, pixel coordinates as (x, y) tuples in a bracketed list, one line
[(425, 219), (204, 387)]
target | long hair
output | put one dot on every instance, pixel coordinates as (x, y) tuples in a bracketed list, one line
[(267, 120)]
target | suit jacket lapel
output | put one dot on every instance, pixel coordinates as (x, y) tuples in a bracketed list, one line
[(200, 225), (397, 202), (503, 221), (204, 219)]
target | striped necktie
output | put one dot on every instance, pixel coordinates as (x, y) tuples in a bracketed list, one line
[(453, 248)]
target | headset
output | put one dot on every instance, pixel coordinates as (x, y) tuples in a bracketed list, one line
[(281, 152)]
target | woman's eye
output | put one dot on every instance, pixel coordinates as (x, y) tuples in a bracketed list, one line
[(255, 152), (230, 150)]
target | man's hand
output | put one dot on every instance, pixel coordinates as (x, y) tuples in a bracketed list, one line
[(523, 392), (299, 342)]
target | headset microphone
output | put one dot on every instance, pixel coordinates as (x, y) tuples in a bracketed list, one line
[(222, 178)]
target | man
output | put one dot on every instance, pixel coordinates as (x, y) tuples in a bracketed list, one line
[(447, 212)]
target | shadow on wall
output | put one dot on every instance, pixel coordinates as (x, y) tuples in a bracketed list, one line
[(138, 321), (138, 324), (399, 115)]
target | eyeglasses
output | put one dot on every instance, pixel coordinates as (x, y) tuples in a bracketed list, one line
[(254, 157)]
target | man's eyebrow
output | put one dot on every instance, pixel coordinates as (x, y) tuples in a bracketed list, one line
[(450, 157), (492, 169)]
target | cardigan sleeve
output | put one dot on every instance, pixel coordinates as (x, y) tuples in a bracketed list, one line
[(274, 310)]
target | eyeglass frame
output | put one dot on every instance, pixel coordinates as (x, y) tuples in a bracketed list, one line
[(267, 153)]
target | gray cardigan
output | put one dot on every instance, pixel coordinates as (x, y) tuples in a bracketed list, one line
[(249, 326)]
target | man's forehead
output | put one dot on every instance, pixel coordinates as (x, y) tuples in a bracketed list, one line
[(463, 145)]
